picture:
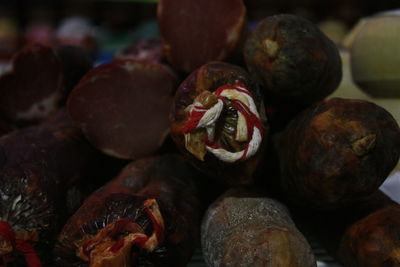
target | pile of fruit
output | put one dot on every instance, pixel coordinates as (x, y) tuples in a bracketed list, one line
[(216, 137)]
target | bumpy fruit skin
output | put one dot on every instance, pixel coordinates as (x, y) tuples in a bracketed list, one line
[(292, 58), (338, 151), (38, 165), (168, 180), (374, 240), (210, 77), (243, 228)]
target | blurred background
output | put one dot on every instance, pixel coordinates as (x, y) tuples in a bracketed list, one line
[(104, 27)]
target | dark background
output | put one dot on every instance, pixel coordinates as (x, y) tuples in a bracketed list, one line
[(123, 14)]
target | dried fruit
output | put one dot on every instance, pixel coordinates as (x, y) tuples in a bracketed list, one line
[(292, 58), (373, 240), (196, 32), (217, 121), (148, 215), (122, 107), (38, 165), (243, 228), (338, 151)]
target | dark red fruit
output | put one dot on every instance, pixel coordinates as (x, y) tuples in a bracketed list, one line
[(122, 107), (196, 32), (218, 123), (32, 90)]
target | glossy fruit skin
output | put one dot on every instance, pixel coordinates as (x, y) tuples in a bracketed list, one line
[(210, 77), (292, 58), (337, 151)]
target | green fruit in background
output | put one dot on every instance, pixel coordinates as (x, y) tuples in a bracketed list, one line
[(375, 55)]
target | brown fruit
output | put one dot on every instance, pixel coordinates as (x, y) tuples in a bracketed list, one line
[(243, 228), (373, 240), (338, 151), (292, 58)]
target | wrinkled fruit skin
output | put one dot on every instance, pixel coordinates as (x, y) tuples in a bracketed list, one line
[(292, 58), (167, 179), (244, 229), (38, 165), (210, 77), (374, 240), (338, 151)]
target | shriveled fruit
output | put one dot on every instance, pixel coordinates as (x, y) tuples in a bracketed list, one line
[(373, 240), (218, 123), (243, 228), (149, 215), (292, 58), (338, 151)]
